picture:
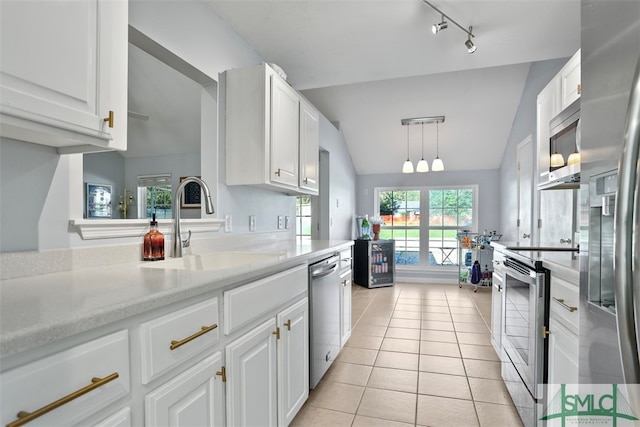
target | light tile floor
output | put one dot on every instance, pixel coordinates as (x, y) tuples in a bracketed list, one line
[(419, 355)]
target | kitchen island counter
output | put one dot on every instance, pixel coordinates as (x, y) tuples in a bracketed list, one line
[(37, 310)]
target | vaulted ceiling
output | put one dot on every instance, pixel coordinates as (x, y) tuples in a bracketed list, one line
[(367, 64)]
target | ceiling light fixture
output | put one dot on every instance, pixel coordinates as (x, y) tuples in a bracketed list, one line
[(436, 28), (407, 167), (423, 165), (471, 47), (437, 165)]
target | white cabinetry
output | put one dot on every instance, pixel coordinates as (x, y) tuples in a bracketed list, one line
[(563, 328), (309, 147), (63, 71), (570, 81), (68, 386), (270, 136), (547, 107), (346, 283), (497, 303), (267, 368), (192, 398)]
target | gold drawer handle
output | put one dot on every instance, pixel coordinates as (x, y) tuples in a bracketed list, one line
[(281, 172), (25, 417), (202, 331), (562, 303), (109, 119)]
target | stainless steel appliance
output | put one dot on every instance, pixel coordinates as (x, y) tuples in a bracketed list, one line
[(374, 263), (565, 140), (609, 334), (324, 292), (525, 322)]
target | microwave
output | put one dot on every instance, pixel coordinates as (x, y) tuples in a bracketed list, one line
[(564, 149)]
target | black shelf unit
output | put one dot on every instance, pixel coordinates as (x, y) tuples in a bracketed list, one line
[(374, 263)]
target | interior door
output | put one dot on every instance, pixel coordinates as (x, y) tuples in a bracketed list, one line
[(524, 161)]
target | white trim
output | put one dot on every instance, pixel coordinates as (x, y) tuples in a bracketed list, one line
[(89, 229)]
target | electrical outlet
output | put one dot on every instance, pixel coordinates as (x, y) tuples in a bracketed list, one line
[(287, 222), (227, 223), (252, 223), (280, 222)]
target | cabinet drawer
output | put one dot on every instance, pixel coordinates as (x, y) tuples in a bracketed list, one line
[(175, 337), (345, 259), (90, 376), (249, 302), (564, 303)]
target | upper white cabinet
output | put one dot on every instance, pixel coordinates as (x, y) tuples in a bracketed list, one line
[(63, 73), (547, 107), (271, 139), (309, 147), (570, 81)]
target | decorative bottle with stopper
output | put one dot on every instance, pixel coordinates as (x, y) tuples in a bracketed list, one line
[(153, 246)]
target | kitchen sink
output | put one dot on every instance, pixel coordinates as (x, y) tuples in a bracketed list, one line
[(214, 260)]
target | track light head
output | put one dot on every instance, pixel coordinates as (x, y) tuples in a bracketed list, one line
[(436, 28), (470, 46)]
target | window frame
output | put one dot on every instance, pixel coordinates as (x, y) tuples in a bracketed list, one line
[(424, 226)]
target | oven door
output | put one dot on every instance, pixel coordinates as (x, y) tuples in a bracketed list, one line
[(525, 323)]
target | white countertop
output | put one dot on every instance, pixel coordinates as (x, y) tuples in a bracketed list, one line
[(40, 309)]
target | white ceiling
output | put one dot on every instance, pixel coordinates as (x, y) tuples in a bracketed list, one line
[(367, 64)]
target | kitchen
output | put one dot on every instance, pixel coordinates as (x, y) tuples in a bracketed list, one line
[(47, 215)]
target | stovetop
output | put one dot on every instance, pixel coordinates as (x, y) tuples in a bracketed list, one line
[(533, 255)]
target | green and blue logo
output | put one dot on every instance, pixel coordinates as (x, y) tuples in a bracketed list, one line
[(602, 405)]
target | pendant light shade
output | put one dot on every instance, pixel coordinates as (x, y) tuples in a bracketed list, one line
[(423, 165), (407, 167), (573, 158), (557, 160), (437, 165)]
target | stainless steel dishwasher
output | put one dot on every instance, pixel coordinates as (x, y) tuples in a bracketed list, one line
[(324, 291)]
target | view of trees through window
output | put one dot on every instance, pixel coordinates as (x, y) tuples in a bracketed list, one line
[(449, 210), (303, 218), (158, 201)]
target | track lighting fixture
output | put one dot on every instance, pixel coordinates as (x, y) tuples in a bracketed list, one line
[(440, 26), (423, 165), (471, 47)]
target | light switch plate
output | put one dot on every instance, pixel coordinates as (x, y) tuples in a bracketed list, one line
[(280, 222), (227, 223), (252, 223), (287, 222)]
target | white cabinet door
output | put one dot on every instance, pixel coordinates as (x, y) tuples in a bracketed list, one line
[(293, 360), (284, 133), (525, 190), (345, 306), (497, 311), (309, 145), (63, 69), (548, 106), (563, 354), (193, 398), (251, 378), (570, 77)]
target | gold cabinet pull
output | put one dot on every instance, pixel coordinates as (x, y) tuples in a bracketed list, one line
[(545, 332), (276, 333), (109, 119), (223, 373), (25, 417), (564, 305), (281, 172), (579, 89), (202, 331), (288, 325), (309, 181)]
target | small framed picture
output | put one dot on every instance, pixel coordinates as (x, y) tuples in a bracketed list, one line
[(98, 200), (191, 195)]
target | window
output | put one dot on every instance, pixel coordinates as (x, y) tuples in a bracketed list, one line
[(429, 239), (303, 218), (155, 196)]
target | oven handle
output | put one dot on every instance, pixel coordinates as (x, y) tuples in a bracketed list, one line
[(530, 279)]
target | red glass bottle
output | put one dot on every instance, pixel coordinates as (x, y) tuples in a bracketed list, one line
[(153, 245)]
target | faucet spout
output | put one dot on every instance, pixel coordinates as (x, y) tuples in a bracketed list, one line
[(178, 244)]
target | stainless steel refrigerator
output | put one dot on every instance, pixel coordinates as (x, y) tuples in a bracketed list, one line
[(610, 194)]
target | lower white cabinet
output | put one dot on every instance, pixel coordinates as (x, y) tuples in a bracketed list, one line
[(345, 307), (121, 418), (268, 370), (563, 354), (192, 398)]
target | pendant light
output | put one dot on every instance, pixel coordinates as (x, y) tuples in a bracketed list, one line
[(407, 167), (573, 158), (423, 165), (437, 165)]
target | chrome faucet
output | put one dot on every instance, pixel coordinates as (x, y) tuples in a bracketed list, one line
[(178, 243)]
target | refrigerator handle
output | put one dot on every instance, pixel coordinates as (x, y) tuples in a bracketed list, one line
[(627, 205)]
